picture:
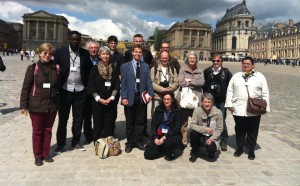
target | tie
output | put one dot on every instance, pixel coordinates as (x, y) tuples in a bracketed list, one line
[(137, 76)]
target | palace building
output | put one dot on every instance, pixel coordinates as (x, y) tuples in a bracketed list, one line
[(277, 41), (233, 32), (40, 27), (189, 36)]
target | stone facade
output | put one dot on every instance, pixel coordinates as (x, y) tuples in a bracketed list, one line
[(277, 40), (10, 35), (233, 32), (40, 27), (189, 36)]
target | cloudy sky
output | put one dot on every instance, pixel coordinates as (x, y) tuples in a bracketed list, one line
[(124, 18)]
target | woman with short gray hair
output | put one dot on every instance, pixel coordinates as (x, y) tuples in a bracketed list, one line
[(191, 76)]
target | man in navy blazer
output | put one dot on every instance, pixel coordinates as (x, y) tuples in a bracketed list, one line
[(74, 70), (133, 84)]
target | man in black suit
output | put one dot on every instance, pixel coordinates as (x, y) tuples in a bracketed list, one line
[(146, 57), (74, 70), (93, 48), (117, 60)]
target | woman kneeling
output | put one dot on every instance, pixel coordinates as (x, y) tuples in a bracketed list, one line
[(165, 130)]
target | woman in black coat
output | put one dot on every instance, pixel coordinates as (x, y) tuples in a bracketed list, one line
[(165, 129)]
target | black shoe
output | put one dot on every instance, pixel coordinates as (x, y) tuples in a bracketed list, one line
[(211, 155), (38, 161), (193, 158), (238, 153), (170, 156), (79, 147), (58, 150), (223, 147), (140, 146), (251, 155), (48, 159), (128, 148)]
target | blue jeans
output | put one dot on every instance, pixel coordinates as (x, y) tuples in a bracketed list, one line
[(224, 134)]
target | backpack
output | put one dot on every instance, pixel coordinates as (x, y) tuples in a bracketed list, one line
[(36, 67), (109, 146)]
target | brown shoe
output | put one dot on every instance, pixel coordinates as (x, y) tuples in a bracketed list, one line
[(223, 147)]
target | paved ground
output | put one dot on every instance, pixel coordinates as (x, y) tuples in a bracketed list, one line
[(277, 156)]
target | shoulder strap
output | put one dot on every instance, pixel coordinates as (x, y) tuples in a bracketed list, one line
[(34, 75)]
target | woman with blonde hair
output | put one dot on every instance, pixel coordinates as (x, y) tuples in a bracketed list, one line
[(39, 97)]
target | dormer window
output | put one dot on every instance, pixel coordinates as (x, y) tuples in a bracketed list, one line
[(247, 23), (239, 24)]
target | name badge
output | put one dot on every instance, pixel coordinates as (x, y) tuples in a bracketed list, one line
[(46, 85), (137, 80), (164, 131), (212, 87), (73, 69), (107, 83)]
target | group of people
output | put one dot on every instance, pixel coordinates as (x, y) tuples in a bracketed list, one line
[(92, 82)]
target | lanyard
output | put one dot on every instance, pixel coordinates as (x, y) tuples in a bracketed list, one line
[(73, 60)]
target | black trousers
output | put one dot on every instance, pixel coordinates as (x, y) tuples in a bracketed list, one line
[(197, 140), (246, 127), (153, 151), (77, 101), (87, 119), (103, 119), (135, 121)]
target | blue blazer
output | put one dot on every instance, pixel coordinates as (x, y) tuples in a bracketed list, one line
[(128, 81)]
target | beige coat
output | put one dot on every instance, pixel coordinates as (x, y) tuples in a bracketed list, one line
[(155, 78), (199, 120), (197, 82)]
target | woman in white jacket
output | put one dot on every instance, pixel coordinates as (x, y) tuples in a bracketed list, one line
[(246, 124)]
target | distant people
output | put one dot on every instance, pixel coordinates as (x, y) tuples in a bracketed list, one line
[(190, 75), (32, 55), (104, 84), (74, 67), (135, 80), (116, 59), (246, 124), (39, 97), (206, 125), (93, 48), (173, 62), (165, 129), (164, 79), (216, 82), (146, 56), (22, 53)]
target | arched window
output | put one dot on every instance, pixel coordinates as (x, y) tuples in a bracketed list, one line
[(233, 43)]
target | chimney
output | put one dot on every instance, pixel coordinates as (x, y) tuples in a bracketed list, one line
[(279, 26), (291, 22)]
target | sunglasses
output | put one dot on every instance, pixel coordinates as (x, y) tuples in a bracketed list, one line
[(216, 61)]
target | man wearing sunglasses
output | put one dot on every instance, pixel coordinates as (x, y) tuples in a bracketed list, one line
[(216, 82)]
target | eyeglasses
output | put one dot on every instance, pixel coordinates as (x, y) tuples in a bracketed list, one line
[(216, 61), (247, 64), (167, 99)]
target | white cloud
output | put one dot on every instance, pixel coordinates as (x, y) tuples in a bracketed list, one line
[(11, 11)]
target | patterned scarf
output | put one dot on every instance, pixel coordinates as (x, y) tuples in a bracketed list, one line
[(247, 75), (105, 71)]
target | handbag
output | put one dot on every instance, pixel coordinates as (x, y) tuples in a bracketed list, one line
[(256, 105), (109, 146), (188, 99)]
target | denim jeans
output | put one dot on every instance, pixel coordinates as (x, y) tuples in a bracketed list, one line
[(224, 134)]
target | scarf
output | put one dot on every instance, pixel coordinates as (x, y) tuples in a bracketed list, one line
[(247, 75), (105, 71)]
